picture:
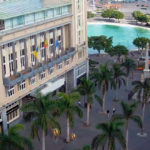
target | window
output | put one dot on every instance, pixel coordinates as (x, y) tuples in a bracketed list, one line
[(4, 65), (67, 62), (11, 64), (22, 85), (10, 91), (79, 37), (42, 37), (60, 66), (43, 53), (29, 18), (42, 75), (3, 48), (78, 5), (39, 16), (50, 13), (32, 39), (33, 80), (10, 44), (65, 10), (18, 21), (22, 59), (32, 56), (51, 70), (12, 113), (2, 26), (59, 38), (57, 11), (79, 21), (51, 42), (8, 23)]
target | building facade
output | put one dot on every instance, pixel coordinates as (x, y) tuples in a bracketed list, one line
[(43, 46)]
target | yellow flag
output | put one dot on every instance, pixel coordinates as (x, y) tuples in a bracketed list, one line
[(35, 53)]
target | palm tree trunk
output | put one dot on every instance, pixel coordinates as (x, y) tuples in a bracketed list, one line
[(43, 140), (116, 97), (143, 114), (103, 97), (127, 133), (109, 145), (68, 130), (127, 82), (88, 114), (103, 147)]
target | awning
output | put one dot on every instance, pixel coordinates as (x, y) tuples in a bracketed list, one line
[(52, 86)]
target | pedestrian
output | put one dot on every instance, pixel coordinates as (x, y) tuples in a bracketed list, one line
[(114, 110), (108, 115)]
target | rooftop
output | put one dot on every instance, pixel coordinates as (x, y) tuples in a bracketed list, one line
[(14, 8)]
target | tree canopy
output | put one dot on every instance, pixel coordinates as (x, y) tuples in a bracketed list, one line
[(112, 13), (100, 43), (90, 14), (141, 42), (139, 16), (118, 50)]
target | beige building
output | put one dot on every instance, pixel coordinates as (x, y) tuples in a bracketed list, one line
[(43, 46)]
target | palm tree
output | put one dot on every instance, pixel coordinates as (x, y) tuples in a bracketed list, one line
[(130, 66), (41, 110), (15, 141), (143, 91), (104, 78), (110, 133), (66, 105), (118, 76), (127, 115), (86, 147), (87, 87)]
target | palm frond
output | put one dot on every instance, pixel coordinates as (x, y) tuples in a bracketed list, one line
[(137, 120)]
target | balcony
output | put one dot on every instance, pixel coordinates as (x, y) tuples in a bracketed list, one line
[(30, 72)]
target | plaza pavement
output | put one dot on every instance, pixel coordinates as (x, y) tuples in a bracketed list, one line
[(86, 134)]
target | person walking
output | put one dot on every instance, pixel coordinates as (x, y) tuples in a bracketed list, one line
[(108, 113), (114, 110)]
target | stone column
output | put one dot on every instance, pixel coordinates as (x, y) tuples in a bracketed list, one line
[(146, 70), (87, 69), (74, 78), (4, 119)]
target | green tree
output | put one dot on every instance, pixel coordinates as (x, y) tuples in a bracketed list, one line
[(90, 14), (103, 76), (118, 76), (100, 43), (107, 13), (118, 15), (141, 42), (15, 141), (142, 88), (110, 133), (130, 66), (128, 111), (87, 88), (137, 15), (112, 13), (144, 18), (41, 110), (118, 50), (86, 147), (66, 105)]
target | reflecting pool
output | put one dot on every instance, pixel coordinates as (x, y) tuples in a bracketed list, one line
[(123, 35)]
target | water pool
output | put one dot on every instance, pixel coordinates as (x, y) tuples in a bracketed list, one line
[(123, 35)]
